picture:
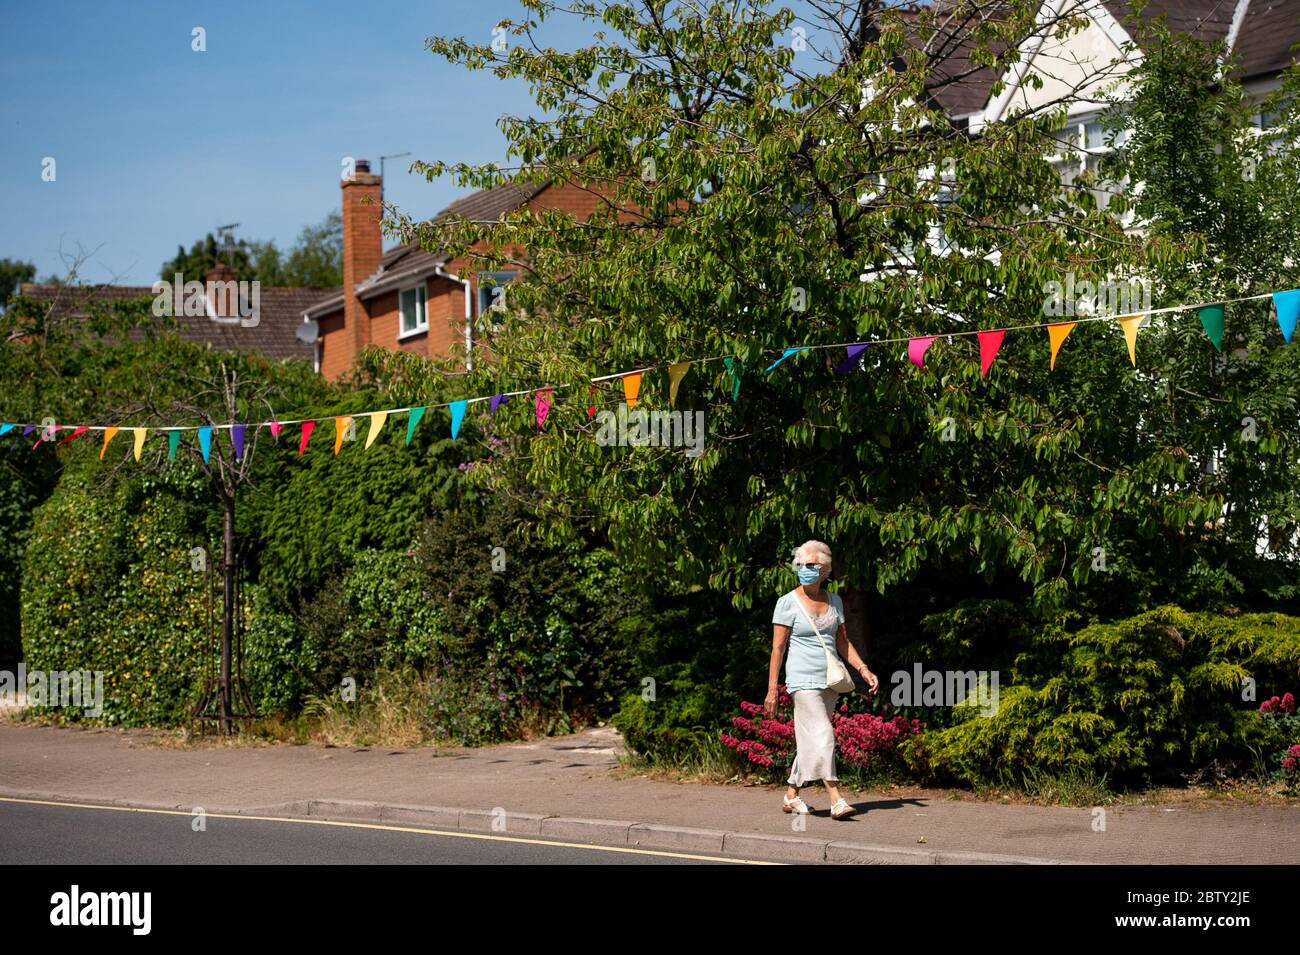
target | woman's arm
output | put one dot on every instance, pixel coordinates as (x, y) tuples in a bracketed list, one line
[(780, 636), (849, 652)]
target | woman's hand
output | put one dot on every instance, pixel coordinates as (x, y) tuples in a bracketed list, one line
[(769, 704), (873, 681)]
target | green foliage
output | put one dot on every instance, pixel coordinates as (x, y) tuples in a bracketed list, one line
[(547, 627), (314, 261), (1137, 700), (107, 586), (13, 274), (772, 174), (701, 656)]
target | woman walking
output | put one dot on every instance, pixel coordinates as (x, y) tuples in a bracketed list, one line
[(805, 618)]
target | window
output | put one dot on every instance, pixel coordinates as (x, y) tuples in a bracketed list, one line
[(492, 294), (1079, 148), (414, 318)]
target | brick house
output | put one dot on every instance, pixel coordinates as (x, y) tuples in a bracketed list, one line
[(275, 336), (407, 298)]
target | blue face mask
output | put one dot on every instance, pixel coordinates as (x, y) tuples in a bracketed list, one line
[(808, 575)]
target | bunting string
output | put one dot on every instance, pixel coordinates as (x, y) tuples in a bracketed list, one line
[(1287, 306)]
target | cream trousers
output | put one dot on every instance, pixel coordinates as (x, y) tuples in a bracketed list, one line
[(814, 738)]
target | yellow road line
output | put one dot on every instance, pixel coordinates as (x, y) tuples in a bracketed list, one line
[(380, 826)]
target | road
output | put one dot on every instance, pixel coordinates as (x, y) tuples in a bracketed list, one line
[(44, 834)]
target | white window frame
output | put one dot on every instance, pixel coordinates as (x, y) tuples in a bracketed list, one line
[(421, 291), (1077, 152)]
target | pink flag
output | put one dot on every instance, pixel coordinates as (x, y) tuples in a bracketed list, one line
[(276, 428), (543, 405), (916, 349)]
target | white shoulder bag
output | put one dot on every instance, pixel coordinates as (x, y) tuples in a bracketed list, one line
[(837, 674)]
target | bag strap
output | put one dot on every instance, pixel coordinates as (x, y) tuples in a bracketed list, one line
[(807, 616)]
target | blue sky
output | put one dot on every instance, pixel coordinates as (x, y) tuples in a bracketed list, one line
[(156, 144)]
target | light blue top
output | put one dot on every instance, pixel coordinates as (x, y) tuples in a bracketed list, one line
[(805, 659)]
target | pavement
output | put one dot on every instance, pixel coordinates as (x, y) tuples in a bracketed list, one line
[(573, 788)]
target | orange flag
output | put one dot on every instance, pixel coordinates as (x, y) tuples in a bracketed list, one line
[(108, 436), (631, 388), (1057, 331), (340, 427)]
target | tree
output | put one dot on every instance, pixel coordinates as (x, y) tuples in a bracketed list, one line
[(1215, 195), (314, 261), (766, 196), (13, 274)]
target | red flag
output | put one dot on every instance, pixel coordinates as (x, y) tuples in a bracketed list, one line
[(990, 342), (306, 433)]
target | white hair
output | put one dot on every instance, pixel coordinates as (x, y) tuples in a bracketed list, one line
[(811, 549)]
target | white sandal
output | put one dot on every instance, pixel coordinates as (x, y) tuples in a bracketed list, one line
[(794, 805), (847, 810)]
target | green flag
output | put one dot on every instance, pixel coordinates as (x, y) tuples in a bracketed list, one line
[(1212, 321)]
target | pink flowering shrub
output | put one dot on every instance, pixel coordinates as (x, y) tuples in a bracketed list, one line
[(1282, 710), (863, 740)]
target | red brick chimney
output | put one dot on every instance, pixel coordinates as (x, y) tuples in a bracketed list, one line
[(221, 292), (363, 247)]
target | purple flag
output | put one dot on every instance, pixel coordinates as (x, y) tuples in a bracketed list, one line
[(237, 438), (851, 361), (498, 401)]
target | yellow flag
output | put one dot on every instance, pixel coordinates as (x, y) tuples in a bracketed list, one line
[(631, 388), (1131, 323), (377, 419), (1057, 331), (340, 426), (108, 436), (675, 375), (139, 441)]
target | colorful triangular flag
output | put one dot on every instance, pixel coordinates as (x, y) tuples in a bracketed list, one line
[(377, 419), (731, 365), (457, 409), (786, 354), (1212, 321), (237, 439), (990, 342), (1056, 333), (1131, 323), (916, 349), (676, 372), (1288, 310), (498, 401), (139, 440), (276, 428), (80, 429), (307, 428), (412, 420), (341, 424), (591, 408), (852, 358), (108, 436), (205, 443), (542, 405), (631, 388), (173, 441)]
